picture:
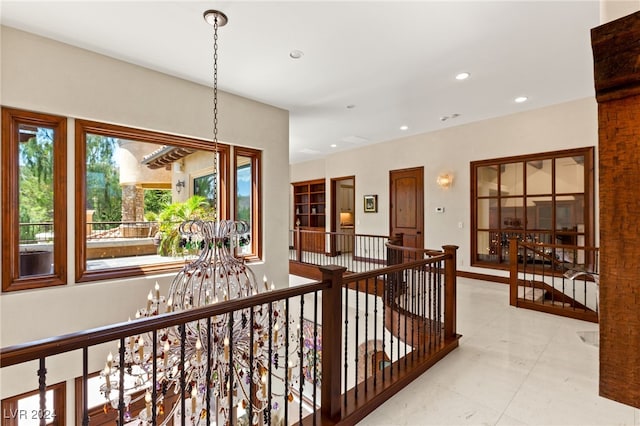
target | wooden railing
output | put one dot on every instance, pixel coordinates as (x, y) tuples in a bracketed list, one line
[(404, 323), (557, 279), (363, 363), (356, 252)]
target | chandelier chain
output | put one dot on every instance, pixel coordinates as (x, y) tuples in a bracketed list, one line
[(215, 118)]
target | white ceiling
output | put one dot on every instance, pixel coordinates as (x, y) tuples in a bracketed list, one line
[(395, 61)]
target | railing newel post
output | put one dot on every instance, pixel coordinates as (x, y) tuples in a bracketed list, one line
[(331, 348), (450, 289)]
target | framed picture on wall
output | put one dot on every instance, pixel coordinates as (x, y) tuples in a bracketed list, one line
[(370, 203)]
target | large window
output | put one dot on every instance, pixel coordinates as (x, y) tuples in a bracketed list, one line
[(133, 189), (34, 197), (546, 198), (247, 202)]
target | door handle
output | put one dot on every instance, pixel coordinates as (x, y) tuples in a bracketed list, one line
[(418, 233)]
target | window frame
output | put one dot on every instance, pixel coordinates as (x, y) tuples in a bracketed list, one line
[(82, 128), (255, 156), (10, 404), (11, 280), (589, 196)]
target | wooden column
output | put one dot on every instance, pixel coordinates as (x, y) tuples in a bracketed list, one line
[(616, 51)]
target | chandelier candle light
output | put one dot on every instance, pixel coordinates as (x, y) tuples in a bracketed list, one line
[(218, 364)]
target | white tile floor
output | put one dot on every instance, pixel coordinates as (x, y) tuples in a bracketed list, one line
[(513, 367)]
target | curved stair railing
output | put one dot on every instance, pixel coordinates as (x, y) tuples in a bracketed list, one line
[(557, 279)]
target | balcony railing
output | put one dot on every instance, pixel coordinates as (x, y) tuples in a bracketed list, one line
[(355, 252), (42, 232), (558, 279), (36, 233), (383, 328)]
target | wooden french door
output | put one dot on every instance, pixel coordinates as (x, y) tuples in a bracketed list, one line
[(406, 199)]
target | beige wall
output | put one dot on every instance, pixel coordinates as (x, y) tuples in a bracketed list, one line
[(563, 126), (47, 76), (614, 9)]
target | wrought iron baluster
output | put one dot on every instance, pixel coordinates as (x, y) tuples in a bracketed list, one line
[(375, 329), (209, 372), (301, 356), (366, 334), (231, 367), (183, 384), (346, 346), (154, 375), (251, 360), (85, 380), (385, 302), (286, 359), (42, 390), (438, 299), (391, 305), (269, 369), (357, 326), (121, 383), (315, 354)]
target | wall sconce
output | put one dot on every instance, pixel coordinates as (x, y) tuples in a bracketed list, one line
[(179, 185), (444, 180)]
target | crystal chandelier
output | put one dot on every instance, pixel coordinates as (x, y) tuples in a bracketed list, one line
[(229, 354)]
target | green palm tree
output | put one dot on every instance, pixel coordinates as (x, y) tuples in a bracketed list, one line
[(195, 207)]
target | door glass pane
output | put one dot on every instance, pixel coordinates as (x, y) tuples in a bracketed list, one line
[(137, 194), (539, 175), (35, 200), (511, 179), (244, 201), (570, 175), (487, 178)]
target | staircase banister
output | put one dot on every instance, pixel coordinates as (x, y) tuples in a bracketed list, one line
[(430, 252), (24, 352), (361, 276)]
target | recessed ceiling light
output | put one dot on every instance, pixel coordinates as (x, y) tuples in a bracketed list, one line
[(296, 54), (463, 76), (521, 99), (333, 145), (404, 127)]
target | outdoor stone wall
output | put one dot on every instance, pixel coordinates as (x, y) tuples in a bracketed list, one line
[(132, 203)]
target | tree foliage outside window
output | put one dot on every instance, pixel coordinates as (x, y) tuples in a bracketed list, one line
[(171, 240), (104, 194), (36, 181), (156, 200)]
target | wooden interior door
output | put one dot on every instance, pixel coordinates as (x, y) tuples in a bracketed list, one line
[(406, 200)]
